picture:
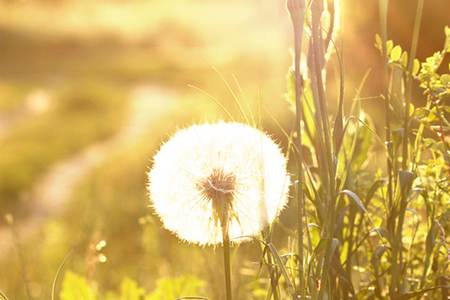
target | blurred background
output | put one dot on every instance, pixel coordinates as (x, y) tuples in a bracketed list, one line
[(90, 89)]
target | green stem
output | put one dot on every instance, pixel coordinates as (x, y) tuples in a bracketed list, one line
[(318, 55), (226, 261), (412, 56), (273, 279), (384, 4), (297, 11), (383, 17)]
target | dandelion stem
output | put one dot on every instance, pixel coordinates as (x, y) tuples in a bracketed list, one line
[(226, 260)]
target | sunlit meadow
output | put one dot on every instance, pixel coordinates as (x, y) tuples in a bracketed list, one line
[(254, 150)]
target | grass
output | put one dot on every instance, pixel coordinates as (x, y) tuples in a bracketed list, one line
[(332, 259)]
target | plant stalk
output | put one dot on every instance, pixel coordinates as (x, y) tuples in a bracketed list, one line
[(384, 4), (16, 242), (383, 17), (297, 12), (226, 260), (412, 56), (318, 63)]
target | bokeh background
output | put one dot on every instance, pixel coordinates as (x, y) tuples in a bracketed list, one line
[(90, 89)]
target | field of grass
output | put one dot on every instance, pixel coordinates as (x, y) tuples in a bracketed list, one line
[(87, 100)]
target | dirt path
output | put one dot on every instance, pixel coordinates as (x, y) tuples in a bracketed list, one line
[(52, 191)]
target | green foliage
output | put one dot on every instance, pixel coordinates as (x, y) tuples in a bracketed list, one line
[(129, 290), (380, 240), (434, 84), (168, 289), (76, 287)]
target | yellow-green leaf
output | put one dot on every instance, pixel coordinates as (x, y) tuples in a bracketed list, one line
[(389, 46), (404, 59), (416, 66), (75, 287), (378, 42), (396, 53)]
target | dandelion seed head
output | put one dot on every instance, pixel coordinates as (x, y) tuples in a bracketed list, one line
[(210, 174), (217, 185)]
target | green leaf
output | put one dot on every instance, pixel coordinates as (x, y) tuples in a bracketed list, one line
[(396, 53), (290, 90), (335, 243), (309, 110), (364, 140), (445, 79), (314, 231), (282, 267), (430, 241), (389, 46), (321, 248), (406, 179), (76, 287), (380, 231), (416, 67), (373, 189), (404, 60), (378, 42), (447, 39), (355, 199), (377, 254)]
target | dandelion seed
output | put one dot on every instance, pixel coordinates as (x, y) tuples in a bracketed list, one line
[(214, 176)]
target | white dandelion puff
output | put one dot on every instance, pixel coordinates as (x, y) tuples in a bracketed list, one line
[(214, 176)]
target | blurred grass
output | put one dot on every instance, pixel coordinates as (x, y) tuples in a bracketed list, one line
[(81, 114), (12, 97)]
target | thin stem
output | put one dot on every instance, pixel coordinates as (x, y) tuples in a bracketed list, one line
[(318, 66), (20, 256), (59, 271), (383, 22), (226, 261), (270, 266), (297, 11), (318, 63), (383, 16), (273, 279), (412, 56)]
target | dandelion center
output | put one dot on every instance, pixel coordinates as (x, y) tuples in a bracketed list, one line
[(219, 188), (218, 185)]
